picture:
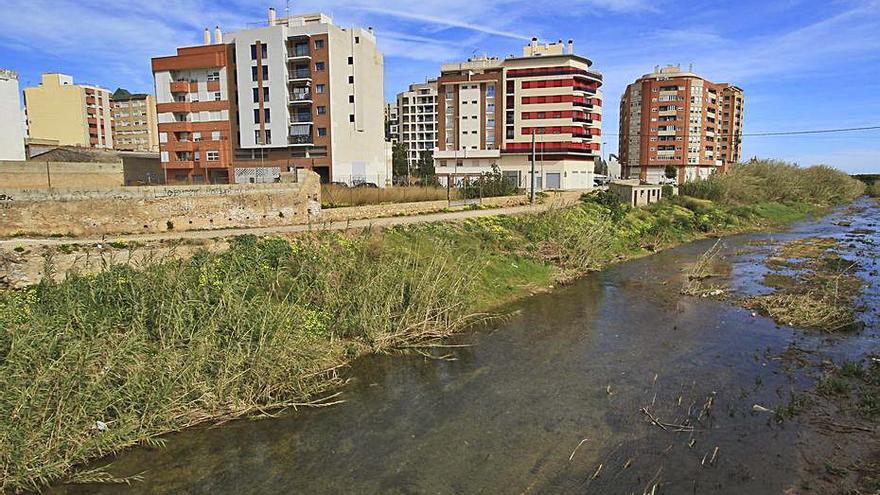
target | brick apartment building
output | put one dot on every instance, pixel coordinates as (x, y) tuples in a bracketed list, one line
[(69, 114), (298, 92), (491, 110), (672, 118)]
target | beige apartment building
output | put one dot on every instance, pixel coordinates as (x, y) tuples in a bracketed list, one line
[(417, 120), (675, 119), (72, 114), (500, 113), (298, 92), (134, 122)]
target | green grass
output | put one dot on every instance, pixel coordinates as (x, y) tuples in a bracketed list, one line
[(175, 343)]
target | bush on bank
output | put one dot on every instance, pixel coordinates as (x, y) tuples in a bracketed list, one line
[(174, 343), (770, 180)]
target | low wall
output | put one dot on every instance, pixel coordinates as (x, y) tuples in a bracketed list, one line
[(37, 174), (134, 210)]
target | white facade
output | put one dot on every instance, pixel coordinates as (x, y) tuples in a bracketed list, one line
[(416, 114), (12, 123)]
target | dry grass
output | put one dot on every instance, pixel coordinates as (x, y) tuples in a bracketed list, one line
[(333, 196)]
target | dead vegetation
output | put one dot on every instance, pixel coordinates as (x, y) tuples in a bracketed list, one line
[(814, 286)]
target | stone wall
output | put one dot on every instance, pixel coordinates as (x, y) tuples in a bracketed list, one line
[(135, 210), (335, 215), (37, 174)]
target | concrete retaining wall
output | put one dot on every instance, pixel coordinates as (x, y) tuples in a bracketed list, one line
[(36, 174), (78, 212), (334, 215)]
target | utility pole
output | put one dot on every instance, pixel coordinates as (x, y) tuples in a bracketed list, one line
[(532, 193)]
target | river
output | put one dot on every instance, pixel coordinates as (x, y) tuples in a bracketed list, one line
[(551, 399)]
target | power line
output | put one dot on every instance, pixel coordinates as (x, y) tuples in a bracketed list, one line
[(796, 133), (821, 131)]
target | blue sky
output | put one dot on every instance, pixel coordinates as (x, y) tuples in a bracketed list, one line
[(804, 64)]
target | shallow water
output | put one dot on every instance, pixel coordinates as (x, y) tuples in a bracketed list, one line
[(508, 413)]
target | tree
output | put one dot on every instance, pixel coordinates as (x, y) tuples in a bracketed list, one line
[(671, 172), (399, 165), (425, 165)]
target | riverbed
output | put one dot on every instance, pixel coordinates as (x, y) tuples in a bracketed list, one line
[(616, 383)]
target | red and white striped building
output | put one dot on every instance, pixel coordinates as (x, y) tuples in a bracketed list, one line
[(491, 111)]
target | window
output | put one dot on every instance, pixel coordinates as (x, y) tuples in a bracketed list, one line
[(350, 60), (350, 79), (357, 39), (197, 136), (268, 136), (319, 66), (256, 95), (319, 88), (214, 75), (265, 72), (351, 98), (217, 96), (253, 52), (215, 135), (257, 138), (322, 131), (212, 156), (254, 73), (351, 117), (256, 116), (322, 110), (319, 44), (266, 116)]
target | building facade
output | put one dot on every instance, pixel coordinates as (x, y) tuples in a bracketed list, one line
[(500, 113), (391, 122), (72, 114), (135, 125), (676, 120), (417, 120), (12, 123), (299, 92)]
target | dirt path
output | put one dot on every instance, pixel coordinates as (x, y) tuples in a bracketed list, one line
[(263, 231)]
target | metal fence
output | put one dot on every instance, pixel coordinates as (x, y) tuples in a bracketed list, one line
[(358, 190)]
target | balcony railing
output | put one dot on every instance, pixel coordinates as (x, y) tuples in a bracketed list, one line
[(300, 74), (300, 97), (303, 139)]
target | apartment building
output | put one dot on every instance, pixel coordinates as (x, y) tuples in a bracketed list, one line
[(417, 120), (12, 123), (134, 122), (675, 119), (502, 112), (391, 122), (298, 92), (72, 114)]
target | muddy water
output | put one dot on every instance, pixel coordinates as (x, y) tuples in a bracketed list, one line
[(572, 367)]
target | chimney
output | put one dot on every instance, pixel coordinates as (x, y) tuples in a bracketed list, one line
[(218, 36), (534, 43), (207, 36), (571, 47), (272, 16)]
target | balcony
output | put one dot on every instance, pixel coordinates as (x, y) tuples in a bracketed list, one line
[(297, 75), (300, 52), (300, 140), (300, 98)]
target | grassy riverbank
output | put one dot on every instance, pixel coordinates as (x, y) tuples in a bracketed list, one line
[(99, 362)]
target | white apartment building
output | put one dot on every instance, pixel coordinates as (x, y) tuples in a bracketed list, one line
[(298, 92), (417, 120), (12, 123)]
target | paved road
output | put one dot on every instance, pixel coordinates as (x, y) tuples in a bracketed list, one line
[(263, 231)]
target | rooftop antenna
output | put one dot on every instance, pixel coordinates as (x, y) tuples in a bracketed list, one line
[(287, 9)]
